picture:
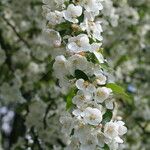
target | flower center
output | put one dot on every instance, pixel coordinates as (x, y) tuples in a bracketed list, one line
[(86, 84), (92, 117), (100, 94), (82, 97)]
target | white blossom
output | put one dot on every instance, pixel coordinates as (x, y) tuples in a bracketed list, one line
[(55, 17), (82, 131), (10, 94), (78, 44), (65, 84), (102, 93), (76, 62), (92, 5), (72, 13), (74, 145), (81, 98), (100, 77), (84, 121), (90, 143), (93, 29), (92, 116), (85, 86), (59, 66), (67, 121), (53, 4), (113, 131), (121, 128), (52, 38), (100, 138), (36, 114), (81, 43)]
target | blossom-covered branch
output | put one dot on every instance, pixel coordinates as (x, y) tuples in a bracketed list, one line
[(74, 30)]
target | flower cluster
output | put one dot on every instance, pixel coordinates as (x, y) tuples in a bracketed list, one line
[(27, 83), (89, 121)]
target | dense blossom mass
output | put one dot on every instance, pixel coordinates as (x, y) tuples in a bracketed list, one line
[(89, 120), (32, 99)]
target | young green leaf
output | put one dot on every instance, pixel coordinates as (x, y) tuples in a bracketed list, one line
[(69, 97), (92, 58), (81, 75), (107, 116), (119, 91), (63, 26), (106, 147)]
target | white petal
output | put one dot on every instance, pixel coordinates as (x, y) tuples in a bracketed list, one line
[(98, 72), (101, 79), (77, 112), (97, 35), (84, 40), (120, 123), (92, 116), (51, 37), (101, 94), (109, 104), (72, 47), (95, 47), (79, 84), (99, 56), (100, 138), (118, 139), (78, 11), (91, 88), (122, 130)]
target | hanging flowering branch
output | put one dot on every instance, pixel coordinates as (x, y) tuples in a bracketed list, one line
[(80, 69)]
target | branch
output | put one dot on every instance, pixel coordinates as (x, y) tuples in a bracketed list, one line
[(16, 32), (36, 140)]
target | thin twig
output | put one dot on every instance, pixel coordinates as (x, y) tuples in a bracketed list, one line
[(16, 32)]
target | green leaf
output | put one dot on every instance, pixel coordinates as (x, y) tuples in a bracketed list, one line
[(66, 3), (116, 88), (81, 75), (68, 98), (63, 26), (81, 18), (119, 91), (106, 147), (105, 66), (107, 116), (92, 58)]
